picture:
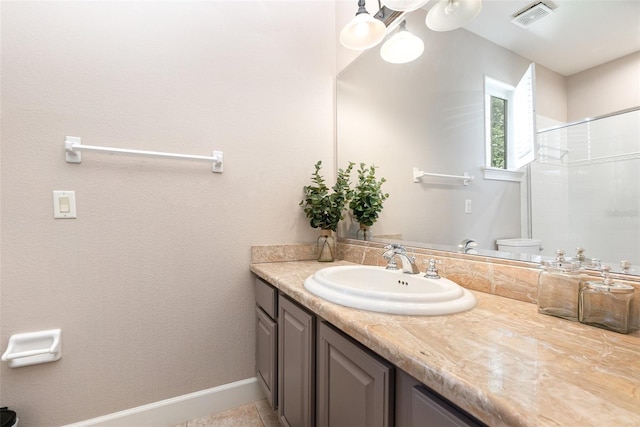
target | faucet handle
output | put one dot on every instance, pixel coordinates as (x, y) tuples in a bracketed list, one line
[(391, 264), (390, 255), (432, 270)]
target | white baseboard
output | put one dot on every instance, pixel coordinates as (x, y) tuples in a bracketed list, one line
[(179, 409)]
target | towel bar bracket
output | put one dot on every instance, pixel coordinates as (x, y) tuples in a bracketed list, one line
[(70, 155)]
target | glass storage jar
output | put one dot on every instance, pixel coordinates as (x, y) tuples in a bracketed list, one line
[(559, 288), (607, 305), (325, 246)]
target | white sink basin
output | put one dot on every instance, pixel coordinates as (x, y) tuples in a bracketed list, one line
[(389, 291)]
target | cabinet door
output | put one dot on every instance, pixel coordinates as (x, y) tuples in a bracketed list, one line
[(296, 363), (418, 406), (355, 387), (267, 355)]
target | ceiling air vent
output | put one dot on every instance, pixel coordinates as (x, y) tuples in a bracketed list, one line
[(531, 15)]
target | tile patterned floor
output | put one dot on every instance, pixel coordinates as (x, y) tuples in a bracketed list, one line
[(258, 414)]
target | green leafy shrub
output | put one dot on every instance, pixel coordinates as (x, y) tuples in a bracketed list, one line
[(325, 209), (367, 198)]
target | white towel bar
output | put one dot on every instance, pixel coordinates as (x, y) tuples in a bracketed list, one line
[(73, 146), (417, 174)]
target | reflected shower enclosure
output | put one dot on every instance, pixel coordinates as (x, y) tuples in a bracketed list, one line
[(585, 188)]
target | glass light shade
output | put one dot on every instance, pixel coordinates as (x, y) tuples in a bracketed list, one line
[(362, 32), (404, 5), (448, 15), (402, 47)]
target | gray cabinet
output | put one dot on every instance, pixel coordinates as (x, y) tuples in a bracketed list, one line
[(266, 340), (296, 365), (418, 406), (355, 386), (267, 355)]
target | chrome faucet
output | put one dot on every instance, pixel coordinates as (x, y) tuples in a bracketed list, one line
[(467, 246), (408, 262)]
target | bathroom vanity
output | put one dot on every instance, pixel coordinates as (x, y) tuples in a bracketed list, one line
[(326, 378), (501, 363)]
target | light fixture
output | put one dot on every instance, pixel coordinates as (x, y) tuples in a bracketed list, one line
[(363, 31), (448, 15), (402, 47), (404, 5)]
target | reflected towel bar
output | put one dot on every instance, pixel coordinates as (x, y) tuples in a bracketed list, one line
[(543, 152), (417, 174), (73, 146)]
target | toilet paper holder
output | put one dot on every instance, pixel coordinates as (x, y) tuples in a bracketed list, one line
[(32, 348)]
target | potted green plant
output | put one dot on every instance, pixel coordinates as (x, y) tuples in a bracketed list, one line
[(367, 198), (325, 208)]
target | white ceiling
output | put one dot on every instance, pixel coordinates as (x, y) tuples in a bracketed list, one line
[(578, 35)]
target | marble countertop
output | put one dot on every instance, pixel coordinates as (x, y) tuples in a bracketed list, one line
[(502, 361)]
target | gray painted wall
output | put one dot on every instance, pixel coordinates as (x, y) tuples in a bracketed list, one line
[(151, 284)]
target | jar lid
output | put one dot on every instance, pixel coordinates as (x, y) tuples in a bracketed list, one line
[(616, 288), (564, 266)]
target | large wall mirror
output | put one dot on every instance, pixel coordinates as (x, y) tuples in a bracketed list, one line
[(582, 189)]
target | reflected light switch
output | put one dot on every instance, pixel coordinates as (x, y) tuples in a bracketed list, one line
[(64, 204)]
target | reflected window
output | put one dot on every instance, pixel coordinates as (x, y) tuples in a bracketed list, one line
[(497, 127), (510, 122)]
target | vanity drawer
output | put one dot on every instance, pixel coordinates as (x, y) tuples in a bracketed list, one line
[(266, 297)]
